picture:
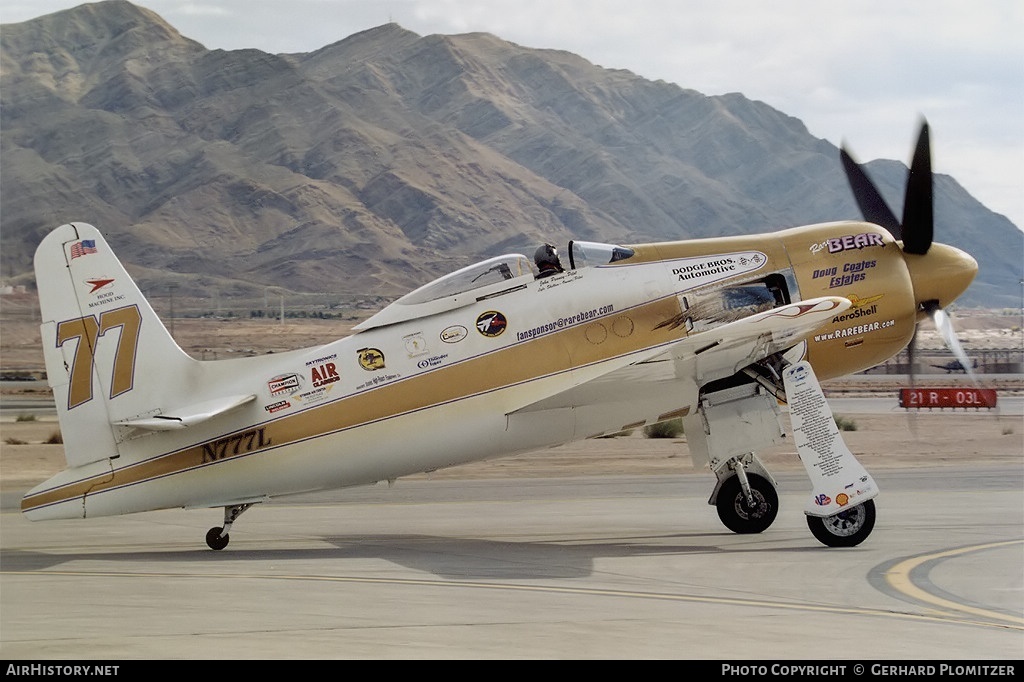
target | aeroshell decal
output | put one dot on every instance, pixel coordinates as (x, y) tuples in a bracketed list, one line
[(707, 269)]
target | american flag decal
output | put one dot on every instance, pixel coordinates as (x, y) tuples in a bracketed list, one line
[(83, 248)]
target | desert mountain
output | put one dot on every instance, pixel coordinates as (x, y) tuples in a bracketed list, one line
[(374, 164)]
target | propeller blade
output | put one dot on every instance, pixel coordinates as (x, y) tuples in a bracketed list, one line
[(912, 419), (918, 213), (869, 200), (945, 328)]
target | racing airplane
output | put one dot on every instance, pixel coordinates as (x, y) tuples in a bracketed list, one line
[(496, 359), (955, 366)]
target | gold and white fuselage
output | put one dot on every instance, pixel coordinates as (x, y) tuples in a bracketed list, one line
[(488, 361)]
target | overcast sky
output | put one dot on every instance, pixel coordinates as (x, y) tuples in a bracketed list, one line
[(859, 71)]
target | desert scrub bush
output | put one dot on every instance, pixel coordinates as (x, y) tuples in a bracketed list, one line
[(25, 418), (55, 438), (673, 428), (846, 424), (15, 441)]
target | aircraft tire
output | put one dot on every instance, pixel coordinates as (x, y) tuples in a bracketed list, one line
[(214, 539), (848, 528), (737, 515)]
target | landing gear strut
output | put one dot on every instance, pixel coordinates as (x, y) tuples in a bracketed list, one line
[(217, 537)]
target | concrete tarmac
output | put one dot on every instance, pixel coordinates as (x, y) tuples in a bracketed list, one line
[(611, 567)]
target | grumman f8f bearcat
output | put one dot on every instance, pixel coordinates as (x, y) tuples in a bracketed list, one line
[(520, 354)]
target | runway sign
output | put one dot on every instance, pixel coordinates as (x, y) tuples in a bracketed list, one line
[(947, 397)]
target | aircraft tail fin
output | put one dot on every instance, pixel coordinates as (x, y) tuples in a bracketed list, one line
[(108, 356)]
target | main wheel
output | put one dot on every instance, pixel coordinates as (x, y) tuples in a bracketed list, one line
[(848, 528), (214, 538), (739, 516)]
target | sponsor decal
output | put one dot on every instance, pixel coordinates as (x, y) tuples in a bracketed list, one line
[(320, 361), (491, 324), (284, 384), (703, 270), (317, 395), (858, 302), (822, 500), (83, 248), (564, 322), (860, 307), (850, 241), (278, 406), (825, 272), (415, 344), (432, 361), (377, 380), (371, 359), (106, 298), (798, 373), (855, 313), (98, 283), (852, 272), (842, 499), (324, 374), (454, 334), (855, 330)]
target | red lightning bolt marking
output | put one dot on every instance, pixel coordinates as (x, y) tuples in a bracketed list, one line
[(97, 284)]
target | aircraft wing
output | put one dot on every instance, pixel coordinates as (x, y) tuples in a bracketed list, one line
[(695, 359), (724, 350)]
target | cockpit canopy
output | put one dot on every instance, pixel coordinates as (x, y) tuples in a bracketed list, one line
[(482, 275), (590, 254), (486, 279)]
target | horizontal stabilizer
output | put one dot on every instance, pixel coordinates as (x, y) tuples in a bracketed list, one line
[(190, 415)]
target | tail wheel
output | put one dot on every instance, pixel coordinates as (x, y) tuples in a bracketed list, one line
[(215, 539), (848, 528), (736, 511)]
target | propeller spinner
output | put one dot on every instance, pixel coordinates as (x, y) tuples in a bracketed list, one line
[(939, 273)]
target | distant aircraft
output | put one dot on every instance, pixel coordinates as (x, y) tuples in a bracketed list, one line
[(494, 359), (955, 366)]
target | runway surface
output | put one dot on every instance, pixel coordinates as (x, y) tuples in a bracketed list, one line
[(581, 568)]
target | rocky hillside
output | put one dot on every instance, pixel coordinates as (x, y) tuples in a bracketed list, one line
[(376, 163)]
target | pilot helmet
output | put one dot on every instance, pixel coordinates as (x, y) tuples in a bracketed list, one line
[(546, 255)]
